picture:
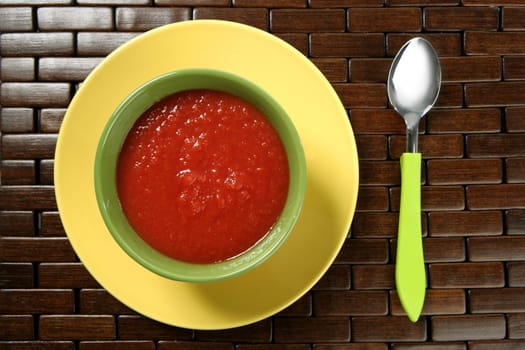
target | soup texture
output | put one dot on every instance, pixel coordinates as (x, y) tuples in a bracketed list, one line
[(202, 176)]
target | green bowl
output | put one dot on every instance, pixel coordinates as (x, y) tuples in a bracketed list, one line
[(115, 133)]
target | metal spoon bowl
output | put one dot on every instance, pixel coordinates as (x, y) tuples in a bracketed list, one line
[(414, 82)]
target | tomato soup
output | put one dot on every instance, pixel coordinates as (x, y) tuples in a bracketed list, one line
[(202, 176)]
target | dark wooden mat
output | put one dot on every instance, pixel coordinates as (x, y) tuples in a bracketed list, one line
[(473, 144)]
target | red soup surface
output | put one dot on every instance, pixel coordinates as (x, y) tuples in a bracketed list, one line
[(202, 176)]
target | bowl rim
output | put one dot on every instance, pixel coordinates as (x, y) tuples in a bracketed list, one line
[(107, 155)]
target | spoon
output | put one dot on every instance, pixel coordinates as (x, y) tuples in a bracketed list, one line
[(414, 81)]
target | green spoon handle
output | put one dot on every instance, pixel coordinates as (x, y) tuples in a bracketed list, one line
[(410, 265)]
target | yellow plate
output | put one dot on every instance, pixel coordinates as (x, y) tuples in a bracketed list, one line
[(332, 173)]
